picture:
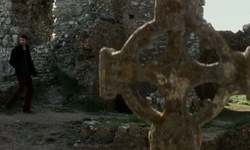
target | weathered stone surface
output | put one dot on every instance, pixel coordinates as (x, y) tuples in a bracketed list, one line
[(6, 89), (174, 74), (238, 139), (246, 28), (82, 27), (237, 41), (77, 52), (31, 17), (110, 137), (134, 137)]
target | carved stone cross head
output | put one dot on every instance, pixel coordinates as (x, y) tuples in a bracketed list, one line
[(174, 73)]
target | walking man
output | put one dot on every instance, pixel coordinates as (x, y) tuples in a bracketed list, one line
[(21, 60)]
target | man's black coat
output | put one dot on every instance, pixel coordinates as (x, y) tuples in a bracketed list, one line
[(16, 60)]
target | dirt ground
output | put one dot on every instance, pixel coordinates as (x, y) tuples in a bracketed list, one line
[(44, 130), (48, 129)]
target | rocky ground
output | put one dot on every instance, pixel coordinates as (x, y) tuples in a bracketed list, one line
[(50, 129), (44, 130)]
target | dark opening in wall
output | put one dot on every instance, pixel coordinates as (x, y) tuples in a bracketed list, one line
[(120, 105), (33, 18), (131, 16)]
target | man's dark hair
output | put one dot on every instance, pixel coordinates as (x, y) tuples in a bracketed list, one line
[(24, 36)]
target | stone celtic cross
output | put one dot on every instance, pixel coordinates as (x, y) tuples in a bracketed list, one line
[(174, 73)]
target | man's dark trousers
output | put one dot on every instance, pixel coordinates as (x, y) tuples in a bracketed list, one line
[(24, 82)]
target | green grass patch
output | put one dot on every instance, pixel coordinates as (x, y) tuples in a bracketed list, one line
[(234, 115), (239, 99), (72, 133)]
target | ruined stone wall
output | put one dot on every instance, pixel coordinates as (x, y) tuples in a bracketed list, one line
[(81, 34), (31, 17), (8, 36), (35, 18), (83, 27), (237, 41)]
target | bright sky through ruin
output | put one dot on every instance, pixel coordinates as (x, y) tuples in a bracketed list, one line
[(227, 14)]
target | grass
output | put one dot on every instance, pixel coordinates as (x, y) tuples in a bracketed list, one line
[(235, 114), (71, 134), (239, 99)]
